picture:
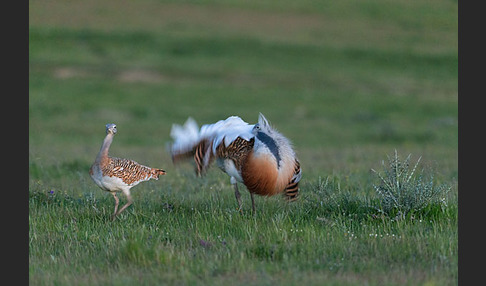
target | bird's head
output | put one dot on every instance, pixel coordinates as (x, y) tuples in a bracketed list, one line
[(111, 128), (266, 137), (262, 126)]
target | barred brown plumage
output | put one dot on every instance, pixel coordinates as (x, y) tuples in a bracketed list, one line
[(292, 189), (237, 151), (129, 171), (200, 155), (256, 155), (114, 174)]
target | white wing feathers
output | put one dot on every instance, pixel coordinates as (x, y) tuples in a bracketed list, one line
[(187, 136), (228, 129)]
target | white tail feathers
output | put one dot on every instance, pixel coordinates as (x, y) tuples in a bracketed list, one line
[(186, 137)]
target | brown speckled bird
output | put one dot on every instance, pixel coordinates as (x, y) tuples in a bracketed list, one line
[(256, 155), (116, 174)]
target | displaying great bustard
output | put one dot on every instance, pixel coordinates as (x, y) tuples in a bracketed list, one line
[(116, 174), (256, 155)]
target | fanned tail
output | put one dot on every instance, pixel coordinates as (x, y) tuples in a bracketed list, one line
[(201, 144), (188, 143), (185, 137)]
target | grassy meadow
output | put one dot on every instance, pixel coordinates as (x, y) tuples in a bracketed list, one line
[(348, 82)]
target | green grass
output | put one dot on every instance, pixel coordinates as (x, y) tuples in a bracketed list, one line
[(347, 82), (199, 236)]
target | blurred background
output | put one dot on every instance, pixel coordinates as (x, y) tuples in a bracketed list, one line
[(348, 82)]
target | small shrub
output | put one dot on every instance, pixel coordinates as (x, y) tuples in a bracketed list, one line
[(403, 190)]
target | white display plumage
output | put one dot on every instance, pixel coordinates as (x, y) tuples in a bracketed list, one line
[(186, 136), (256, 155)]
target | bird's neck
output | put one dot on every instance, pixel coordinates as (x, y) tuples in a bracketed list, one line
[(270, 144), (105, 147)]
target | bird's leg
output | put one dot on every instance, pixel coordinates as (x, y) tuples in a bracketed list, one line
[(130, 201), (116, 205), (252, 203), (237, 193)]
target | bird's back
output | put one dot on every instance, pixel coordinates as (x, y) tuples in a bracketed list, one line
[(131, 172), (116, 173)]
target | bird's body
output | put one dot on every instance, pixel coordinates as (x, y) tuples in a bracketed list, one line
[(253, 154), (117, 174)]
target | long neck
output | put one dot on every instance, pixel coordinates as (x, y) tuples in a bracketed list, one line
[(105, 147), (271, 145)]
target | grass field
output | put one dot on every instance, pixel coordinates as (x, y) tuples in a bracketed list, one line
[(348, 82)]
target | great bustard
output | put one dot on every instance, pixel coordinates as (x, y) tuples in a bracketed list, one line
[(116, 174), (253, 154)]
